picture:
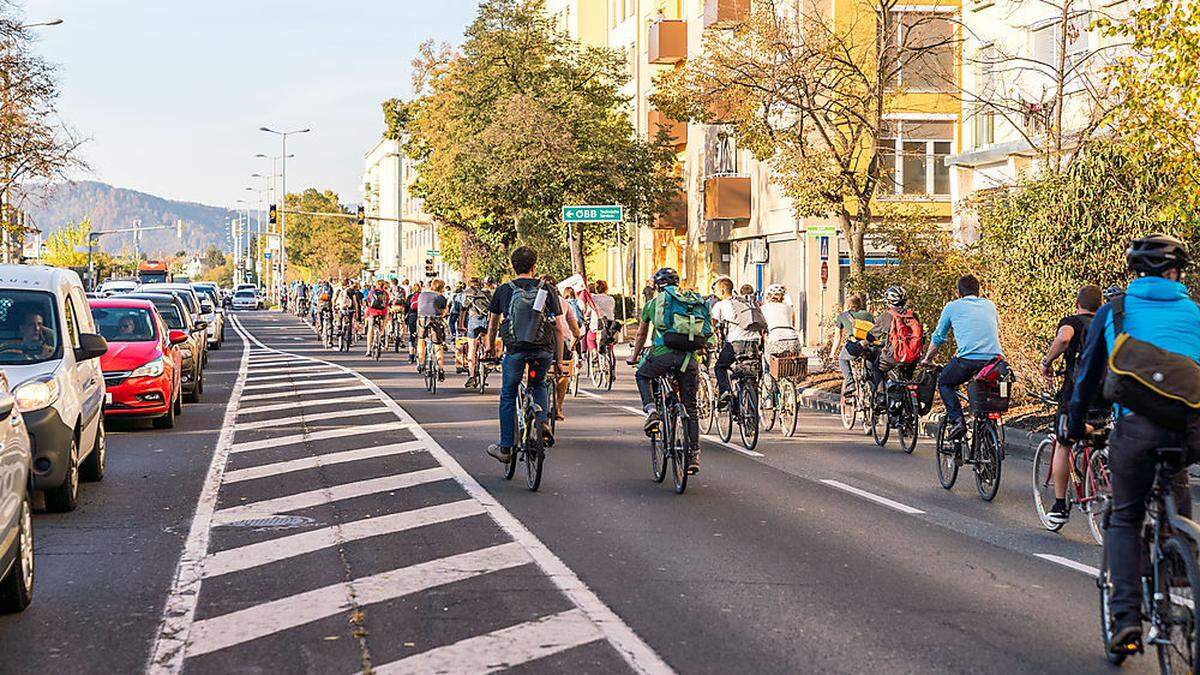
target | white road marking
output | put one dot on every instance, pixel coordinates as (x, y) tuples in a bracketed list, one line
[(293, 374), (250, 446), (277, 468), (272, 617), (298, 419), (501, 649), (274, 550), (711, 438), (301, 392), (279, 385), (304, 500), (891, 504), (291, 405), (1067, 562)]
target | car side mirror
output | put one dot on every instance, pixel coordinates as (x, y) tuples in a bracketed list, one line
[(199, 326), (6, 405), (91, 346), (176, 336)]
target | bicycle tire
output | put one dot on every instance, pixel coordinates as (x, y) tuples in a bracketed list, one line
[(510, 469), (679, 475), (878, 421), (610, 370), (848, 408), (945, 458), (535, 456), (1097, 493), (552, 399), (725, 431), (1104, 586), (1043, 483), (988, 481), (704, 405), (788, 409), (748, 411), (1177, 564), (658, 455), (770, 414)]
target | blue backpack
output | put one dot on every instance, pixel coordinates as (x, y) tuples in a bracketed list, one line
[(682, 320)]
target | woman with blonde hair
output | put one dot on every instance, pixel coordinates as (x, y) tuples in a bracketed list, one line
[(782, 337)]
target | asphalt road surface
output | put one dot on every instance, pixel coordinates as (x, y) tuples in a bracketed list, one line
[(321, 513)]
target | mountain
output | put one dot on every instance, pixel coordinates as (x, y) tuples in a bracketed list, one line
[(112, 208)]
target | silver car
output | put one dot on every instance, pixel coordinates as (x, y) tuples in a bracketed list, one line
[(16, 511)]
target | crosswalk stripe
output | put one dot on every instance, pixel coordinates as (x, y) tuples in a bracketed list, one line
[(311, 417), (304, 500), (279, 361), (321, 435), (277, 468), (291, 405), (309, 371), (279, 385), (305, 391), (272, 617), (274, 550), (501, 649)]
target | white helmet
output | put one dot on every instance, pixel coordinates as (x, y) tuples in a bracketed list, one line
[(776, 289)]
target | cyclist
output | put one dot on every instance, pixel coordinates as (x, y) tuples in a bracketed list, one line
[(1068, 343), (899, 338), (376, 309), (410, 321), (599, 316), (976, 328), (568, 325), (849, 347), (343, 307), (782, 337), (323, 306), (1157, 310), (473, 318), (520, 313), (743, 324), (431, 325), (397, 305), (662, 360), (456, 305)]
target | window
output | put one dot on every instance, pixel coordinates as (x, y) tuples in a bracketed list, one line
[(124, 324), (912, 156), (920, 48), (72, 325), (28, 327), (1049, 45), (983, 119)]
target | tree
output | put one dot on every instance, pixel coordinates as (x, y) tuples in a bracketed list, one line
[(519, 122), (808, 93), (59, 249), (213, 257), (328, 245)]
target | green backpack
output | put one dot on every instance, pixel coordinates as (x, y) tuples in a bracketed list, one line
[(682, 320)]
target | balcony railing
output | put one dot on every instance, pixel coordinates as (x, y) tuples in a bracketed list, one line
[(727, 198), (667, 41), (676, 130), (725, 13)]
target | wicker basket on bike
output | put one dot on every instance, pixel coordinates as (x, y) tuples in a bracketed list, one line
[(790, 365)]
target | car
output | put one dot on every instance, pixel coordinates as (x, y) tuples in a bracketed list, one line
[(50, 352), (212, 312), (247, 298), (191, 300), (143, 368), (16, 507), (114, 286), (175, 315)]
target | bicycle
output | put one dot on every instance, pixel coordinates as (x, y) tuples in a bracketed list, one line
[(779, 388), (902, 412), (602, 365), (1089, 486), (743, 404), (377, 344), (325, 326), (856, 396), (344, 331), (433, 372), (706, 396), (668, 442), (982, 447), (478, 373), (530, 448), (1170, 576), (392, 340)]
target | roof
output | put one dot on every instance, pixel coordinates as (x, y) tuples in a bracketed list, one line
[(130, 303), (36, 276)]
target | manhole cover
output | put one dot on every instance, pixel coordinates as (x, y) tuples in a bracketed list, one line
[(272, 522)]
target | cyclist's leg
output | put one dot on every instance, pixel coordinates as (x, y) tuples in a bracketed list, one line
[(650, 368), (438, 334), (721, 368), (512, 369), (956, 373), (688, 384)]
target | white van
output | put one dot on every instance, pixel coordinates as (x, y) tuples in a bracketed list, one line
[(49, 350)]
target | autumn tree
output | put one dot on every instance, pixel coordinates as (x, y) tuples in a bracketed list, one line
[(326, 245), (61, 248)]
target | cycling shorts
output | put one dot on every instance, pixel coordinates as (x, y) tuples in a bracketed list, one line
[(432, 328)]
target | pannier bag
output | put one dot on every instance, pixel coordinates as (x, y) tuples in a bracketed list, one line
[(1162, 386), (681, 320), (926, 389)]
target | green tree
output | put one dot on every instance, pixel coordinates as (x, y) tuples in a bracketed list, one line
[(327, 245), (59, 249), (213, 257)]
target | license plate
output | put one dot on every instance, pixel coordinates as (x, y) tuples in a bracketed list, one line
[(107, 398)]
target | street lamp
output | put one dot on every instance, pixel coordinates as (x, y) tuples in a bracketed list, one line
[(283, 191), (48, 22)]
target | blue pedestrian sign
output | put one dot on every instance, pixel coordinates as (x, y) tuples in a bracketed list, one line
[(593, 214), (267, 255)]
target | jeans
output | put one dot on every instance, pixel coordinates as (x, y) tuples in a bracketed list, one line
[(1132, 464), (729, 352), (956, 373), (512, 369), (670, 363)]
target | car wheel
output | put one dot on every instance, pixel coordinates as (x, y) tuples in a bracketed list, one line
[(166, 421), (65, 497), (16, 590), (178, 404), (93, 467), (199, 384)]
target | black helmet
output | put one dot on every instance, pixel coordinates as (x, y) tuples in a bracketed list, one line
[(895, 296), (1155, 254), (666, 277), (1112, 292)]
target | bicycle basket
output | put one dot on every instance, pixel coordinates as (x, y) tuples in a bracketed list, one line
[(988, 397), (785, 366)]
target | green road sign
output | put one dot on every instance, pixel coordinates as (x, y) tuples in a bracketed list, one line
[(432, 252), (593, 214), (822, 231)]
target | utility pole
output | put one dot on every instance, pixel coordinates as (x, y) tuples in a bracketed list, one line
[(137, 242)]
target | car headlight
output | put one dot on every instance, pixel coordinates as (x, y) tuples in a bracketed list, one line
[(149, 369), (35, 395)]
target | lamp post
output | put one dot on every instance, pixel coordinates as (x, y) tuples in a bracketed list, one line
[(48, 22), (283, 190)]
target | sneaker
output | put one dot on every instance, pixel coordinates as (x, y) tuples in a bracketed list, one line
[(470, 384), (693, 463), (547, 434), (441, 376), (957, 430), (501, 453), (1126, 637), (1059, 514), (652, 421)]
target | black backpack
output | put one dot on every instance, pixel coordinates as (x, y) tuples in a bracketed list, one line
[(526, 326), (376, 300)]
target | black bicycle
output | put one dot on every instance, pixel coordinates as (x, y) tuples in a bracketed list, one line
[(1171, 580), (325, 321), (742, 408), (377, 344), (530, 449), (344, 332), (902, 412), (982, 447), (669, 446)]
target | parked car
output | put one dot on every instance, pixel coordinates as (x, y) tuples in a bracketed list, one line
[(114, 286), (49, 350), (143, 368), (247, 298), (212, 312), (16, 507), (176, 317), (191, 301)]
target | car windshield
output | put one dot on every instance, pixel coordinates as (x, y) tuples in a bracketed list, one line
[(169, 312), (208, 292), (244, 294), (28, 327), (124, 324)]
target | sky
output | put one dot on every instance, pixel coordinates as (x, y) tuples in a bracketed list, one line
[(171, 93)]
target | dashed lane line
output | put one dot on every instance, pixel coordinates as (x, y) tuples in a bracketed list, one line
[(292, 374), (318, 417), (324, 434), (304, 463), (871, 496), (1067, 562), (292, 405)]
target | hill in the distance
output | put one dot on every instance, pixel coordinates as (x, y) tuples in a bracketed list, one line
[(111, 208)]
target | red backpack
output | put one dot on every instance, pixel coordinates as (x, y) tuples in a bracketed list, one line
[(906, 337)]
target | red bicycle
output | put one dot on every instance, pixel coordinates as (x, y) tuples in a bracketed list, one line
[(1090, 486)]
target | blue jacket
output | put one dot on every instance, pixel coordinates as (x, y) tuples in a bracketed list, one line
[(1157, 311)]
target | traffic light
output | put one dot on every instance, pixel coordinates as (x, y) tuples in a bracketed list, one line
[(271, 217), (430, 271), (362, 215)]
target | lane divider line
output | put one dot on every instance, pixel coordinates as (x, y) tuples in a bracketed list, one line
[(1067, 562), (871, 496)]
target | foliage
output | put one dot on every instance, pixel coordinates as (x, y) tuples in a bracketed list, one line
[(518, 122), (59, 248), (213, 257), (329, 246), (221, 274)]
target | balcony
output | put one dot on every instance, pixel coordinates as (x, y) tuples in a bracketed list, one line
[(668, 41), (725, 13), (675, 217), (676, 130), (727, 198)]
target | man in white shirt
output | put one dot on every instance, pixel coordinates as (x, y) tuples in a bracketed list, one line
[(737, 340)]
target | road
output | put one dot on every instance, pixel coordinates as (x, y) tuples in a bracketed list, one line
[(320, 513)]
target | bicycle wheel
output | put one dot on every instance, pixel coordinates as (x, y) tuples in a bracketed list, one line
[(725, 420), (1178, 580), (678, 445), (1104, 584), (1097, 493), (704, 405), (987, 462), (769, 400), (659, 452), (946, 458), (511, 468), (552, 401), (748, 409), (909, 428), (610, 370), (848, 408), (880, 427), (535, 454), (1043, 483), (788, 412)]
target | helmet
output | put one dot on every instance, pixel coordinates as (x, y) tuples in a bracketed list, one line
[(896, 296), (666, 277), (1112, 292), (1155, 254), (775, 289)]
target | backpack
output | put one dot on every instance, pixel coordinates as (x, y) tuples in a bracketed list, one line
[(906, 337), (682, 320), (748, 316), (526, 326), (478, 302), (375, 301), (1162, 386)]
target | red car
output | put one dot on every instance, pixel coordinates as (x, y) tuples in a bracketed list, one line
[(143, 365)]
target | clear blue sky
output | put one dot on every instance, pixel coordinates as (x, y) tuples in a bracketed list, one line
[(172, 92)]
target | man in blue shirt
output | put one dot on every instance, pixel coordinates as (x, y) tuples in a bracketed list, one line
[(976, 328)]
